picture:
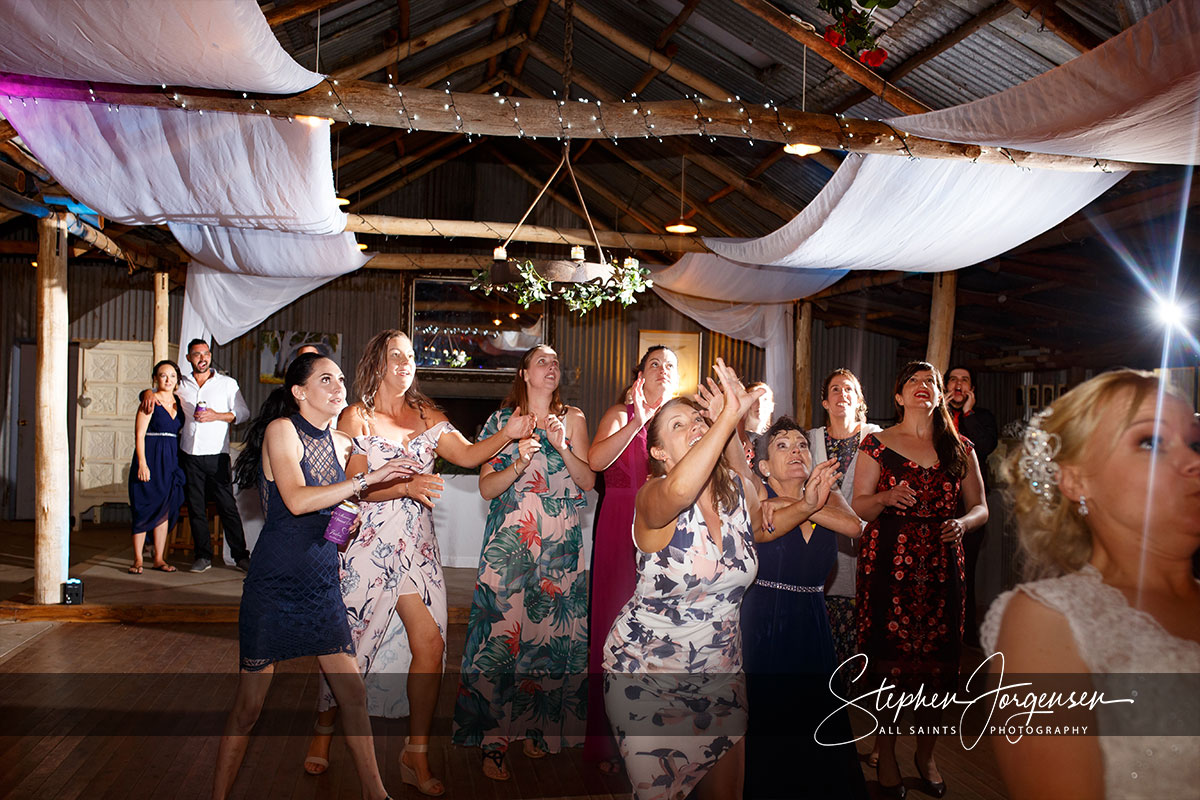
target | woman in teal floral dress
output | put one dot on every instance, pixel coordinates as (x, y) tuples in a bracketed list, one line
[(525, 660)]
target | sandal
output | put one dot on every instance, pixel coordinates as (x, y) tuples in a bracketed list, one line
[(531, 750), (610, 766), (499, 772), (164, 568), (873, 760), (432, 786), (136, 569), (316, 765)]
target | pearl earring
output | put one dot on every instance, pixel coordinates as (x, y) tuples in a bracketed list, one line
[(1083, 509)]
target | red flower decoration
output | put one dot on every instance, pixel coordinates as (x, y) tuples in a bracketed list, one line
[(873, 58), (834, 36)]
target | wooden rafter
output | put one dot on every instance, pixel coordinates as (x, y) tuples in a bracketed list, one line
[(429, 150), (295, 10), (409, 47), (1056, 21), (477, 56), (841, 61), (535, 25), (662, 44), (427, 167), (361, 101), (406, 226), (502, 21)]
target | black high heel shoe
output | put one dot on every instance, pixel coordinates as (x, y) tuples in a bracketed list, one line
[(898, 791), (927, 786)]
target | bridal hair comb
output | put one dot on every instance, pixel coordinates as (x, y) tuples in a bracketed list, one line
[(1037, 458)]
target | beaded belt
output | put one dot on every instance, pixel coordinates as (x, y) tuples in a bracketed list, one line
[(160, 433), (787, 587)]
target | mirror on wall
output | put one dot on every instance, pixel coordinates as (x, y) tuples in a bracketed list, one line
[(457, 330)]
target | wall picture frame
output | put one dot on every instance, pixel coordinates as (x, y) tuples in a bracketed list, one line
[(686, 347), (1048, 391)]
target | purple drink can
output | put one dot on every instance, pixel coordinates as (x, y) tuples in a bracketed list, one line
[(200, 406), (341, 522)]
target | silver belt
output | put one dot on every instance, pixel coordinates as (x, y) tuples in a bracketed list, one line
[(160, 433), (787, 587)]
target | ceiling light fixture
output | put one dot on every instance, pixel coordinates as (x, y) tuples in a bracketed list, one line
[(802, 148), (680, 224)]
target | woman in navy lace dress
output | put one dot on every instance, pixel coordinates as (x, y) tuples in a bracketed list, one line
[(291, 604), (155, 477)]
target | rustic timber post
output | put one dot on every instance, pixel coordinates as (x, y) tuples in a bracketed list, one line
[(803, 381), (52, 468), (941, 319), (162, 315)]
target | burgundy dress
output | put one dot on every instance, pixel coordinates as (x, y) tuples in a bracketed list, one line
[(910, 583), (614, 575)]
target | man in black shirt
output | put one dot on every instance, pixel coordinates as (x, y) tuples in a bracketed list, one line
[(978, 425)]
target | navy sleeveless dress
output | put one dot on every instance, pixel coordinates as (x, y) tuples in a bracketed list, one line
[(291, 602), (160, 497), (788, 651)]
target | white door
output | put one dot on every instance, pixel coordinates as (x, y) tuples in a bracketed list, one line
[(112, 374)]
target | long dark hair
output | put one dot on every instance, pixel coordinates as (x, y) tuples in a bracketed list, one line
[(860, 412), (280, 403), (723, 488), (369, 374), (518, 395), (951, 451), (641, 366)]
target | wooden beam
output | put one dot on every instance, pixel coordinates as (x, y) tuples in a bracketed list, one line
[(100, 241), (440, 143), (941, 319), (360, 101), (52, 470), (803, 382), (162, 315), (502, 20), (661, 44), (409, 47), (402, 26), (864, 279), (25, 161), (995, 11), (428, 261), (12, 177), (7, 131), (535, 25), (1058, 22), (498, 231), (657, 60), (295, 10), (887, 92), (453, 65)]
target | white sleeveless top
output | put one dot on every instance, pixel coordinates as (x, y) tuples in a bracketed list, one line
[(1113, 637)]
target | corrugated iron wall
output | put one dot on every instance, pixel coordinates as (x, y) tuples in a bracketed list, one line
[(870, 356)]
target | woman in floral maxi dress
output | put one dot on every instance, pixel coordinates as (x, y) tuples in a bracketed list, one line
[(525, 660)]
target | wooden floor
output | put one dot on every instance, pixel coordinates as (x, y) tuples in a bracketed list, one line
[(106, 710)]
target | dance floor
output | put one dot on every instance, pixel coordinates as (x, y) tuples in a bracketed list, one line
[(110, 710)]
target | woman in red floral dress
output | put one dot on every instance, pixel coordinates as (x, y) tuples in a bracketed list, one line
[(910, 598)]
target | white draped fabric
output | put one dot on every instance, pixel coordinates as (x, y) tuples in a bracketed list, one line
[(768, 325), (1134, 98), (884, 212), (211, 44), (146, 166), (240, 277)]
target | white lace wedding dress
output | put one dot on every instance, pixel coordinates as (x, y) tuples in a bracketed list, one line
[(1119, 643)]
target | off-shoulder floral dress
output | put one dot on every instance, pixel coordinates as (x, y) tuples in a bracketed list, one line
[(673, 683)]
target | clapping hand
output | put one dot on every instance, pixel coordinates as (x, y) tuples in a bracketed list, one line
[(736, 400), (525, 450), (899, 496), (710, 399), (519, 425), (556, 432), (642, 411), (820, 483)]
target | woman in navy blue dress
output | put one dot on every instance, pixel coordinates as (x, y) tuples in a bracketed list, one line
[(291, 604), (155, 478), (786, 639)]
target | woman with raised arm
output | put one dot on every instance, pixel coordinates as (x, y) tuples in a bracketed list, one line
[(155, 477), (619, 451), (673, 683), (291, 606), (1106, 489), (525, 654), (907, 484), (391, 573)]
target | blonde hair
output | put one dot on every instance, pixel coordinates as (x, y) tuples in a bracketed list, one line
[(1053, 536)]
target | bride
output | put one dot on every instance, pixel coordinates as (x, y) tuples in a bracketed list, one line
[(1107, 496)]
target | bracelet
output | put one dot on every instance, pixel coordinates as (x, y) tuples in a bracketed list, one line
[(360, 485)]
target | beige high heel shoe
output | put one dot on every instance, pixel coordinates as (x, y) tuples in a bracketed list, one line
[(433, 787), (315, 765)]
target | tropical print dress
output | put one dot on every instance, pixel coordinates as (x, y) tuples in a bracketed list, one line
[(524, 669), (673, 683)]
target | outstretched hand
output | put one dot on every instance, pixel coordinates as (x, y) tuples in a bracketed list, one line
[(736, 400), (711, 399)]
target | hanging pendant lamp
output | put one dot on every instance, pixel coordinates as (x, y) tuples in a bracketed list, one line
[(680, 224)]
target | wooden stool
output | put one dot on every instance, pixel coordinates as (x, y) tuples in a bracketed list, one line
[(181, 537)]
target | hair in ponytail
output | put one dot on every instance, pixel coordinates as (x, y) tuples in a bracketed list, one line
[(280, 403)]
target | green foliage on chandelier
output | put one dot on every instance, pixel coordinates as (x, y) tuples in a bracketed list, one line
[(627, 280)]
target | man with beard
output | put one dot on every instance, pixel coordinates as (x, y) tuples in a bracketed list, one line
[(978, 425)]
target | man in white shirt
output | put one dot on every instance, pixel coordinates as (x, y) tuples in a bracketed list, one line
[(210, 402)]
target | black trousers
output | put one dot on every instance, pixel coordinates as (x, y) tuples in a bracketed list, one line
[(210, 476)]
